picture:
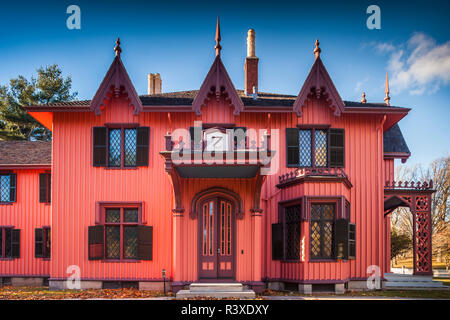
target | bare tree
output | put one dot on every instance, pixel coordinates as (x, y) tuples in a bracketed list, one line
[(439, 172)]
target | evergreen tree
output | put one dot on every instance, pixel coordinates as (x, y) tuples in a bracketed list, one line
[(48, 87)]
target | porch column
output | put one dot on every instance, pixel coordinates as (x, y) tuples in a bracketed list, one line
[(422, 231), (257, 248), (177, 283)]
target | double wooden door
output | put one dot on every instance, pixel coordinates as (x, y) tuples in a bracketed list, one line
[(216, 239)]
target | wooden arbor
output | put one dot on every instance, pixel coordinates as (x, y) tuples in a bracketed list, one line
[(416, 196)]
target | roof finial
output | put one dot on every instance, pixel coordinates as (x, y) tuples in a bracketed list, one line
[(387, 98), (117, 48), (218, 47), (317, 50), (363, 100)]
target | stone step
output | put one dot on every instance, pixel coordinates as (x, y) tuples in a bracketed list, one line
[(407, 277), (187, 294), (410, 284), (216, 287)]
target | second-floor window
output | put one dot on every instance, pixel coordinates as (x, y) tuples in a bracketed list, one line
[(45, 187), (315, 147), (121, 146), (8, 187)]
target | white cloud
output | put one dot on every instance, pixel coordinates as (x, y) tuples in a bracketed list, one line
[(419, 66)]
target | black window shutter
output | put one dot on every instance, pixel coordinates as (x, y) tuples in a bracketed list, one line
[(337, 147), (351, 241), (49, 188), (341, 239), (100, 135), (13, 187), (292, 151), (95, 242), (238, 141), (143, 140), (15, 243), (277, 241), (145, 242), (43, 196), (38, 243)]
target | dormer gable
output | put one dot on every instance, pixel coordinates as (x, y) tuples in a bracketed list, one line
[(319, 84), (116, 83), (217, 84)]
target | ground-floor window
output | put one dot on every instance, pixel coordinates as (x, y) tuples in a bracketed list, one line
[(121, 233), (42, 240), (9, 243), (322, 224), (292, 221)]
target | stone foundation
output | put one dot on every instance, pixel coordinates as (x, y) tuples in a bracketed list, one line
[(27, 282), (155, 286), (62, 285)]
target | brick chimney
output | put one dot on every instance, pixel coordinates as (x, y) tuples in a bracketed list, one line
[(251, 65), (154, 83)]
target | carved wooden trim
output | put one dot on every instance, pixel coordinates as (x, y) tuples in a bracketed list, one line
[(319, 84), (226, 193), (217, 83), (257, 194), (117, 84)]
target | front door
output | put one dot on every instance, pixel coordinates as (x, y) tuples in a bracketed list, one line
[(216, 237)]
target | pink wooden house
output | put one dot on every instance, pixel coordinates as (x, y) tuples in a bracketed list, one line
[(209, 185)]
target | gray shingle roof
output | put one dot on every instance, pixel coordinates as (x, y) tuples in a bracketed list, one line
[(393, 140)]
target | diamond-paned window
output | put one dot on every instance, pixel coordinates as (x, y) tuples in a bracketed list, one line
[(292, 219), (112, 215), (322, 230), (5, 188), (321, 153), (305, 148), (313, 149), (115, 142), (121, 233), (112, 242), (130, 240), (131, 215), (130, 147)]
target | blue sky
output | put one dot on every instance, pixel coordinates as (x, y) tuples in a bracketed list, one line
[(176, 39)]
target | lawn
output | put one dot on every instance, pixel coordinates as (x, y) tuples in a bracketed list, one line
[(43, 293), (408, 263), (433, 294)]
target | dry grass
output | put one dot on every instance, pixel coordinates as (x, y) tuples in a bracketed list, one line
[(43, 293)]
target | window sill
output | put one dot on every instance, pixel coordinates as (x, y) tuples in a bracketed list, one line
[(120, 261), (326, 260), (120, 168), (6, 203), (8, 259)]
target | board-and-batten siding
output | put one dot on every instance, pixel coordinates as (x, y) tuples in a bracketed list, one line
[(389, 175), (79, 186), (363, 165), (26, 214)]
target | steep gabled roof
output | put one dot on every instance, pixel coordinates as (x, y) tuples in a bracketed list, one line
[(217, 82), (319, 83), (23, 153), (116, 83), (394, 142)]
